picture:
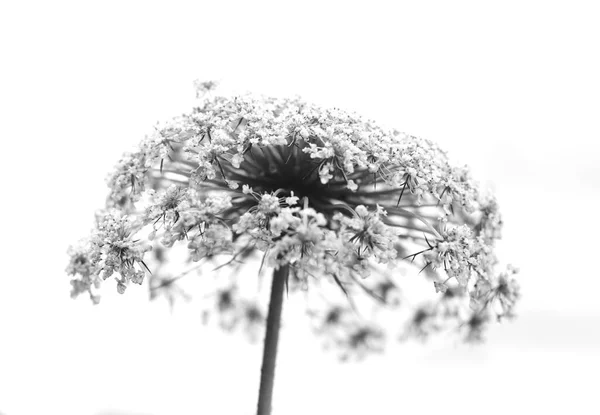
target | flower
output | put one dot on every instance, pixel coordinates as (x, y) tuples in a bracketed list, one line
[(111, 248), (338, 199)]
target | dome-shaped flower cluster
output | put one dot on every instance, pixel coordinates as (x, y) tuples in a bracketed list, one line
[(323, 191)]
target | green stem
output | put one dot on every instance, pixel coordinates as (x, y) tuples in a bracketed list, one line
[(267, 372)]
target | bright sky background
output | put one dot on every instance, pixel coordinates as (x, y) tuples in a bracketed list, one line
[(510, 88)]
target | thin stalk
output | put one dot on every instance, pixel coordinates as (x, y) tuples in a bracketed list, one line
[(267, 371)]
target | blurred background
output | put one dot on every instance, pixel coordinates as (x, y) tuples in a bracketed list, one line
[(510, 88)]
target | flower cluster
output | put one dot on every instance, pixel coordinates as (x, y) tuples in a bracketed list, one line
[(353, 338), (460, 253), (182, 214), (371, 236), (111, 249), (330, 195), (488, 296)]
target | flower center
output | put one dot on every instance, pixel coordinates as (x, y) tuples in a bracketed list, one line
[(287, 169)]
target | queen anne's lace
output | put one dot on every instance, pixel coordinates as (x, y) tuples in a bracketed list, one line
[(321, 190)]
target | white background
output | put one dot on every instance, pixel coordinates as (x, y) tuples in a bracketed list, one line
[(510, 88)]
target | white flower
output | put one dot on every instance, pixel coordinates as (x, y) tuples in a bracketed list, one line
[(291, 200), (322, 191), (268, 204), (236, 160), (352, 185)]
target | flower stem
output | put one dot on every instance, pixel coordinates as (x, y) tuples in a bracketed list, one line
[(267, 372)]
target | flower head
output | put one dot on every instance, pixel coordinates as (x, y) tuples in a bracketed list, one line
[(336, 198)]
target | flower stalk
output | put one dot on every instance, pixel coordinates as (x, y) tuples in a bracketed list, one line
[(334, 200), (267, 371)]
